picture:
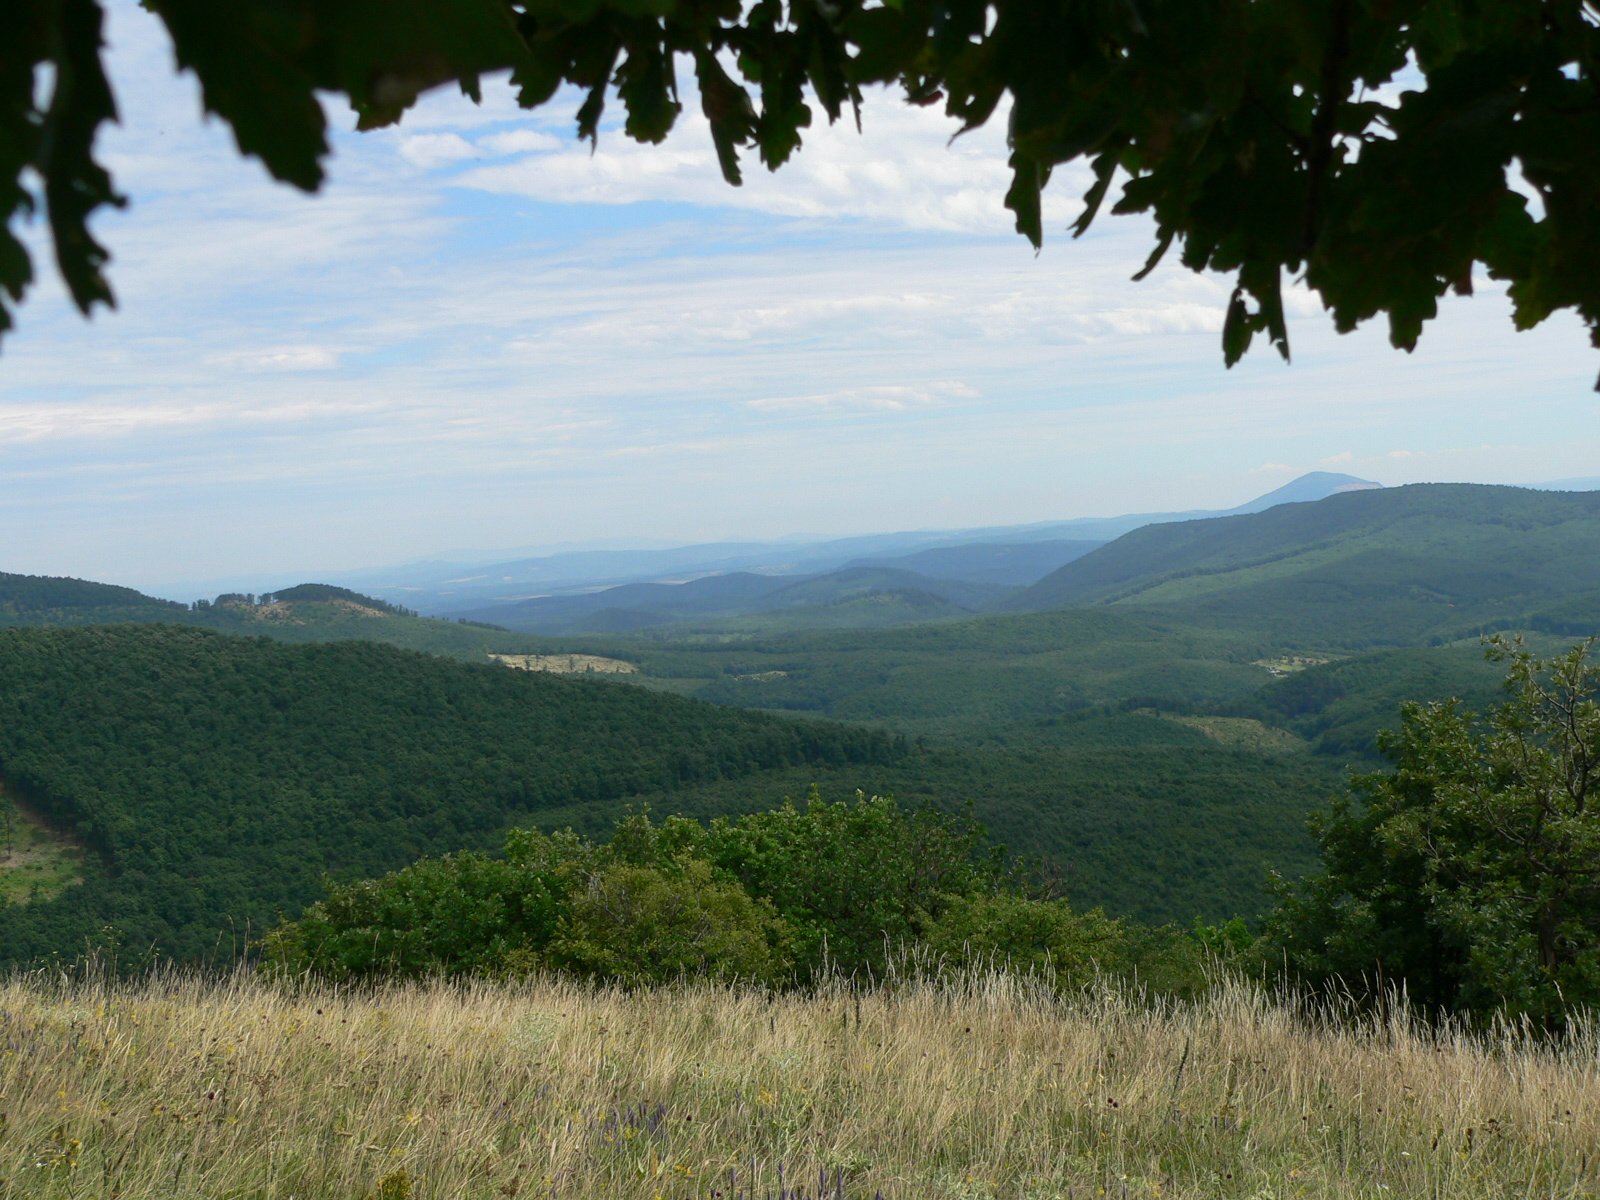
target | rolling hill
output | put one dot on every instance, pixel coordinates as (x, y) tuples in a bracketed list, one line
[(1428, 562), (1157, 727), (309, 612), (860, 596), (39, 599), (1005, 564)]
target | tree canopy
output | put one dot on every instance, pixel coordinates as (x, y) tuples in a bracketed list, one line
[(1381, 150)]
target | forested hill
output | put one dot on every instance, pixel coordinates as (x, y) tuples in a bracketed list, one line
[(1394, 565), (216, 778), (39, 596), (307, 612)]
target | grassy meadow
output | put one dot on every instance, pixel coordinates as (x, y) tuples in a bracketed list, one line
[(987, 1086)]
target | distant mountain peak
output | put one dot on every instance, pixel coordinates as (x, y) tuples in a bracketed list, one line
[(1314, 485)]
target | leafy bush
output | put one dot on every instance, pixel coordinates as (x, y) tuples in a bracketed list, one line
[(851, 880), (779, 897), (463, 914), (833, 886), (1026, 935), (642, 925)]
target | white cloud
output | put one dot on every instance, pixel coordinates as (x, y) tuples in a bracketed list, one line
[(283, 358), (1336, 459), (519, 141), (886, 398), (428, 150), (903, 170)]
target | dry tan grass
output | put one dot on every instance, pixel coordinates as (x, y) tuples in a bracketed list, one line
[(981, 1088)]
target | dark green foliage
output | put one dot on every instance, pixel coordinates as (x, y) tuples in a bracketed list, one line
[(1469, 872), (785, 896), (1254, 134), (1143, 817), (1575, 616), (1028, 935), (218, 778), (960, 675), (37, 597), (462, 914), (645, 924), (833, 886), (1073, 948), (852, 880)]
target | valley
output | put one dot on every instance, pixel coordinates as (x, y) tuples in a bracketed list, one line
[(1151, 721)]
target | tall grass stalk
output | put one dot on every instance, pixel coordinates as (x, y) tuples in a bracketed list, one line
[(980, 1086)]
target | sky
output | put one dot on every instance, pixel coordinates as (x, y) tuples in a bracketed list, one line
[(483, 334)]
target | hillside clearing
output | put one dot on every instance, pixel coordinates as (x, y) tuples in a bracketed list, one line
[(36, 862), (986, 1087), (1244, 732), (567, 664)]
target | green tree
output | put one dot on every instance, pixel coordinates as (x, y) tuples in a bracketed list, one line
[(1255, 132), (1026, 935), (462, 914), (854, 880), (642, 925), (1470, 872)]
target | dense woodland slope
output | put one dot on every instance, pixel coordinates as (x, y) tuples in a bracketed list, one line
[(215, 778), (1393, 566)]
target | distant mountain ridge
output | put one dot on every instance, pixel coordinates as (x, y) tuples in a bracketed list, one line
[(720, 597), (452, 587)]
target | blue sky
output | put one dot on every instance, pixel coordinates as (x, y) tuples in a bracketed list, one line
[(481, 334)]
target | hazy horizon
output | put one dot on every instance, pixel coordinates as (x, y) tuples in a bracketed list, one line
[(467, 558)]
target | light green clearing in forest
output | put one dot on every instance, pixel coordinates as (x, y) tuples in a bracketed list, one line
[(35, 861), (1246, 733)]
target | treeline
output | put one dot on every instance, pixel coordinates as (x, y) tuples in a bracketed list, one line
[(218, 778)]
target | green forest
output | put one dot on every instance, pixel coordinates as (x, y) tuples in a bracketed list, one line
[(216, 778)]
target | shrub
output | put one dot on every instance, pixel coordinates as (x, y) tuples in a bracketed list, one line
[(463, 914), (641, 925), (1028, 936)]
